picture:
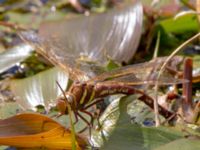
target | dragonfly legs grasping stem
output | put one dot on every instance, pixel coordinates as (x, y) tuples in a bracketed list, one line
[(99, 113), (89, 114), (76, 118), (88, 124)]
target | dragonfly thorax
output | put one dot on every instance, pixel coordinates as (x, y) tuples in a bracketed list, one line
[(71, 98), (64, 100)]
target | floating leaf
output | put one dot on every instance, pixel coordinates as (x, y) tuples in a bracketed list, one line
[(118, 132), (131, 136), (142, 138), (36, 131), (40, 89), (110, 117), (14, 55), (8, 109)]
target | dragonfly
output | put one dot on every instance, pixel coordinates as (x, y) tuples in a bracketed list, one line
[(125, 80), (87, 91), (90, 85)]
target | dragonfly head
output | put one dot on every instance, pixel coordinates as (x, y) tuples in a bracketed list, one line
[(63, 101)]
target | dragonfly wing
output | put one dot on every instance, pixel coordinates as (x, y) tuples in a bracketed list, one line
[(113, 34), (144, 84), (139, 72), (124, 71), (151, 79), (80, 44), (48, 49)]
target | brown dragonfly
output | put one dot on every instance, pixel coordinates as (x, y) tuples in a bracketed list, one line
[(91, 85), (87, 91)]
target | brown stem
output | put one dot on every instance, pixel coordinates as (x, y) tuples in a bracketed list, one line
[(187, 87), (187, 105)]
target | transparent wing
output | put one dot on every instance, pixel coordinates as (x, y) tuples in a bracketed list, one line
[(80, 44), (143, 73)]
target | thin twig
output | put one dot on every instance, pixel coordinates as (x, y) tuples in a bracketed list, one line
[(155, 55), (188, 4), (176, 51), (70, 118)]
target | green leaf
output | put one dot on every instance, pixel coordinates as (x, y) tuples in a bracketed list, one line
[(129, 136), (181, 144), (140, 138), (118, 132), (183, 24), (111, 65), (116, 114)]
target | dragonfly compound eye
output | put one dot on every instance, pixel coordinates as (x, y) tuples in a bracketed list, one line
[(62, 106)]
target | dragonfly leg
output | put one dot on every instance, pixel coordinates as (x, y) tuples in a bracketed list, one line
[(76, 118), (91, 116), (96, 114), (94, 103), (88, 123), (79, 115)]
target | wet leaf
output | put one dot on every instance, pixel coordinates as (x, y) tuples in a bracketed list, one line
[(118, 131), (34, 130), (8, 109), (142, 138), (14, 55), (40, 89), (116, 111), (126, 135)]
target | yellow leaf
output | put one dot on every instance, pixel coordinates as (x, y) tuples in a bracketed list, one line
[(35, 130)]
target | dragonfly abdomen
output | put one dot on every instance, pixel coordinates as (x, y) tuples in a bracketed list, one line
[(102, 90)]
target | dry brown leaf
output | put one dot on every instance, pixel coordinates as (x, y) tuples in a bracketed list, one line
[(35, 130)]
